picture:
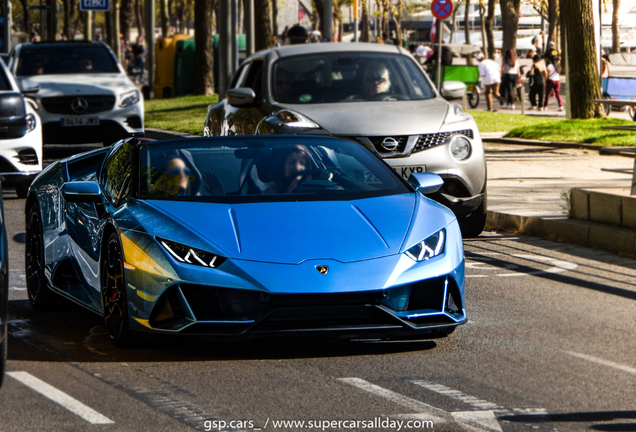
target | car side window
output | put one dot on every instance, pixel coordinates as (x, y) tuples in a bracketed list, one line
[(255, 77), (238, 76), (117, 175)]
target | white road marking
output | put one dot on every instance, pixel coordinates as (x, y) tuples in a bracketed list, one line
[(473, 420), (558, 266), (61, 398), (456, 394), (394, 397), (603, 362)]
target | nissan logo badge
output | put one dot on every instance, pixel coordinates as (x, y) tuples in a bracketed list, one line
[(389, 144)]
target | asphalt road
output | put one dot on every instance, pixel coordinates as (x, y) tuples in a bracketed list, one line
[(549, 346)]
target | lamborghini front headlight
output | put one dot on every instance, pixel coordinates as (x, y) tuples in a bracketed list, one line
[(190, 255), (428, 248)]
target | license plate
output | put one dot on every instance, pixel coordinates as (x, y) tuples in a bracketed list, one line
[(406, 171), (80, 121)]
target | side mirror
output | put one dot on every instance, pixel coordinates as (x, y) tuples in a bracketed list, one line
[(453, 90), (425, 183), (82, 192), (241, 97), (13, 121), (30, 90)]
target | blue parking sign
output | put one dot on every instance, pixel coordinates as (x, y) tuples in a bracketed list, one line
[(94, 5)]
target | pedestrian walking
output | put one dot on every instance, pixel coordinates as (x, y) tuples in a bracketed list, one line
[(553, 83), (510, 78), (538, 75), (490, 77), (537, 41)]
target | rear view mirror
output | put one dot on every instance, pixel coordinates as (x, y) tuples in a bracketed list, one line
[(82, 192), (241, 97), (425, 183)]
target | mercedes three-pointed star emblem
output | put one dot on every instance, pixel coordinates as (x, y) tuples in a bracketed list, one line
[(79, 105)]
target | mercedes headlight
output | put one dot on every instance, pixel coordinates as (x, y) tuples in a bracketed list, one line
[(189, 255), (297, 120), (460, 147), (31, 122), (455, 114), (129, 98), (428, 248)]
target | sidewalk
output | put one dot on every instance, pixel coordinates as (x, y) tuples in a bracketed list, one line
[(528, 187)]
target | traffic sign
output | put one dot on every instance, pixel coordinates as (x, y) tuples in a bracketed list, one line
[(94, 5), (442, 9)]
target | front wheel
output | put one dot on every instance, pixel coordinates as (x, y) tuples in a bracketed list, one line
[(40, 296), (473, 99), (114, 299), (473, 224)]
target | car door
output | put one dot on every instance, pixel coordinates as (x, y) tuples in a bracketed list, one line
[(243, 121), (89, 219)]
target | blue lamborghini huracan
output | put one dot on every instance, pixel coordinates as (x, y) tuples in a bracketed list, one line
[(245, 236)]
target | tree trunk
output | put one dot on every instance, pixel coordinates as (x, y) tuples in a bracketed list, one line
[(203, 61), (490, 22), (139, 17), (553, 17), (126, 18), (616, 36), (581, 57), (467, 22), (482, 20), (453, 25), (25, 16), (68, 17), (319, 7), (364, 28), (165, 18), (510, 24), (262, 25)]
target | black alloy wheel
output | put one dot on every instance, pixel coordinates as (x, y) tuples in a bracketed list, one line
[(114, 299), (40, 296)]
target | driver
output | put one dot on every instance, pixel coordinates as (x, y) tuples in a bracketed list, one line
[(175, 181), (375, 80), (291, 160)]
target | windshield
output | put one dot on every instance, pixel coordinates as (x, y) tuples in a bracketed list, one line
[(254, 170), (56, 60), (348, 77)]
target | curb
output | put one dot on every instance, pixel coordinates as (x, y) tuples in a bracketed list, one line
[(609, 238), (621, 151), (160, 134)]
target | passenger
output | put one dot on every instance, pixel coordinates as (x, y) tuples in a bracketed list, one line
[(291, 160), (175, 181), (38, 69), (86, 65)]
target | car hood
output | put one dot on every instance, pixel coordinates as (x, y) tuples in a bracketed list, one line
[(377, 118), (76, 84), (292, 232)]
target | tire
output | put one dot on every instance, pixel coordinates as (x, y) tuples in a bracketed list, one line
[(40, 296), (473, 224), (22, 189), (632, 112), (473, 99), (114, 298)]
